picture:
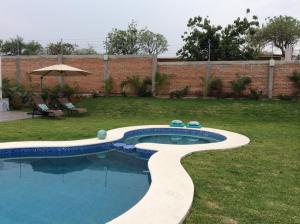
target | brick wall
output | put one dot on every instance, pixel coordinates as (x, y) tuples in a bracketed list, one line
[(193, 74), (228, 72), (120, 67), (181, 74), (9, 68), (282, 84), (86, 84)]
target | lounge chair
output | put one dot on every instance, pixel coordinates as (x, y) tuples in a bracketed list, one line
[(66, 104), (41, 108)]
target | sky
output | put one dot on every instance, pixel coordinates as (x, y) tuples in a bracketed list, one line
[(86, 22)]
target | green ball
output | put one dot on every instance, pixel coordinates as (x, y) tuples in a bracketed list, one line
[(101, 134)]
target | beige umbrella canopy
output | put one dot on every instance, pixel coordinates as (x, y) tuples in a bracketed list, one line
[(61, 70)]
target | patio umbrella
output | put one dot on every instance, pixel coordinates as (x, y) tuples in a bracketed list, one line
[(61, 70)]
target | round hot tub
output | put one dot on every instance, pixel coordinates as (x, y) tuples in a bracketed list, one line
[(179, 136)]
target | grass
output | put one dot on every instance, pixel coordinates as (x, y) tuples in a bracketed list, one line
[(259, 183)]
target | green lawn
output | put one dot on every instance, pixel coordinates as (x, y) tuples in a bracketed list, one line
[(259, 183)]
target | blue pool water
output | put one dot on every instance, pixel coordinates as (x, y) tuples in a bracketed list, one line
[(86, 189), (180, 136), (180, 139)]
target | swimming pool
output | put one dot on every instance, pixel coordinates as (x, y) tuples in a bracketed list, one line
[(86, 189), (170, 192)]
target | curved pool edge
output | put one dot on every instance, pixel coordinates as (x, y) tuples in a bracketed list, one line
[(170, 196), (171, 192)]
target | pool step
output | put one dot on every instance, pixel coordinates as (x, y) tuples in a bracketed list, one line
[(119, 145), (124, 147), (142, 153)]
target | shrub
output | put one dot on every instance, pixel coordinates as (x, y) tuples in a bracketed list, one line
[(239, 84), (51, 94), (69, 91), (160, 80), (179, 93), (95, 93), (255, 94), (295, 78), (17, 94), (146, 88), (140, 87), (108, 86), (285, 97), (215, 87)]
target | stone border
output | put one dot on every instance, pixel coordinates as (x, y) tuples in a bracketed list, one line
[(171, 192)]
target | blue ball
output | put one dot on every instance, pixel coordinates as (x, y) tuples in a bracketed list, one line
[(101, 134)]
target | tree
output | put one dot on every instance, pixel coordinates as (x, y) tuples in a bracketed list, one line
[(235, 42), (13, 46), (90, 50), (281, 31), (61, 48), (123, 41), (33, 48), (135, 41), (17, 46), (230, 43), (197, 40), (152, 43)]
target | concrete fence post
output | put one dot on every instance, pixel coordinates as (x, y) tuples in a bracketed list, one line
[(0, 77), (271, 78), (105, 71), (154, 70), (4, 103), (207, 77), (18, 70), (61, 79)]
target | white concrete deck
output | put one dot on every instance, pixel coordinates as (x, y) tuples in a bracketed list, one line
[(170, 195)]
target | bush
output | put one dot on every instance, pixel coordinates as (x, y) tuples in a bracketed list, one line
[(179, 93), (239, 84), (140, 87), (285, 97), (215, 87), (95, 93), (51, 94), (108, 86), (160, 80), (255, 94), (295, 78), (17, 94)]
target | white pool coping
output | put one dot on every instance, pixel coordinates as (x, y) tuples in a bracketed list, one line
[(171, 192)]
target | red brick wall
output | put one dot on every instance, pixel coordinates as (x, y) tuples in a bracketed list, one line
[(228, 72), (9, 68), (86, 84), (282, 84), (32, 63), (119, 67), (181, 73), (192, 74), (27, 64)]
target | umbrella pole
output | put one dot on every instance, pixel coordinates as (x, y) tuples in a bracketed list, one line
[(62, 79), (42, 83)]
